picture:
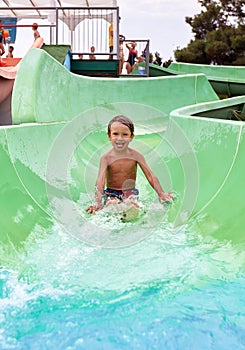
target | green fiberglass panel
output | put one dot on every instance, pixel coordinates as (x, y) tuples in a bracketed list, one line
[(20, 214), (218, 147), (227, 73), (29, 149), (155, 71), (226, 80), (59, 52), (52, 93)]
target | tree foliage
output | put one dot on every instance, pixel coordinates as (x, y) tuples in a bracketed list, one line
[(219, 34), (155, 58)]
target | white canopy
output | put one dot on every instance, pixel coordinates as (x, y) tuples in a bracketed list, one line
[(35, 13)]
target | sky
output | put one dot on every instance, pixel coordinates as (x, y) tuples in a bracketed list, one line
[(160, 21)]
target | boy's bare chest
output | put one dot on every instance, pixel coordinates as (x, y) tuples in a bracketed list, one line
[(122, 165)]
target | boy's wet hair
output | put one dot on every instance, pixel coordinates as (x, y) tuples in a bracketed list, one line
[(123, 120)]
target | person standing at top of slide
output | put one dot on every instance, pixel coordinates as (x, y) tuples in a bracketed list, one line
[(110, 35), (10, 52), (92, 55), (2, 40), (35, 31), (111, 38), (132, 55)]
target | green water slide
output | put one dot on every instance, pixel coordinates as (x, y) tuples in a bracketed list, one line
[(58, 52), (50, 156), (45, 91), (225, 80)]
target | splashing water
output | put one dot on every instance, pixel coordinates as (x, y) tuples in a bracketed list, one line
[(172, 289)]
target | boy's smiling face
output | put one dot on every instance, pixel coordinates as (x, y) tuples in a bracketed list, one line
[(120, 136)]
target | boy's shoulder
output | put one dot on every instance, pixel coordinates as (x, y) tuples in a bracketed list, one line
[(135, 152), (106, 155)]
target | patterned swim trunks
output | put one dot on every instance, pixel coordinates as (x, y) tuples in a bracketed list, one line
[(119, 194)]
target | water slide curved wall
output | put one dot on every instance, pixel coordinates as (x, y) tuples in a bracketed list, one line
[(50, 160), (225, 80)]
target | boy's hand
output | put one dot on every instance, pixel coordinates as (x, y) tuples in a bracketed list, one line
[(93, 208), (166, 197)]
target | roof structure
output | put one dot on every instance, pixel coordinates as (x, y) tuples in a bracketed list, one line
[(14, 8)]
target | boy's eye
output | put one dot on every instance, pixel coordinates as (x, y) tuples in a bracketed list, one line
[(117, 133)]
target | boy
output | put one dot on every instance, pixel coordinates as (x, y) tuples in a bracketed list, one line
[(118, 168)]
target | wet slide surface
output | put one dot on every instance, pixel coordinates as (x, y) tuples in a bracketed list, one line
[(172, 279), (51, 164)]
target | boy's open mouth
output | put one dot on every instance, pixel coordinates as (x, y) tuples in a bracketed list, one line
[(120, 144)]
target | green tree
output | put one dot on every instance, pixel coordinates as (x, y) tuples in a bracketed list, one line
[(193, 53), (155, 58), (219, 34), (167, 63), (151, 57)]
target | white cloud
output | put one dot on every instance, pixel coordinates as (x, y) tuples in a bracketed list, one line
[(161, 21), (165, 8)]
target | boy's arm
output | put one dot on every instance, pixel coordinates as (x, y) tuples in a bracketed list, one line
[(153, 180), (99, 187)]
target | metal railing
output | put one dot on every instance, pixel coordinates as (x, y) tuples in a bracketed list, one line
[(141, 59), (81, 28)]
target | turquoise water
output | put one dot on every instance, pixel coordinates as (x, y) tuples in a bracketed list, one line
[(174, 289)]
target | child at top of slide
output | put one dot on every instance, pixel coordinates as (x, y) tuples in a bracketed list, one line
[(35, 31)]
